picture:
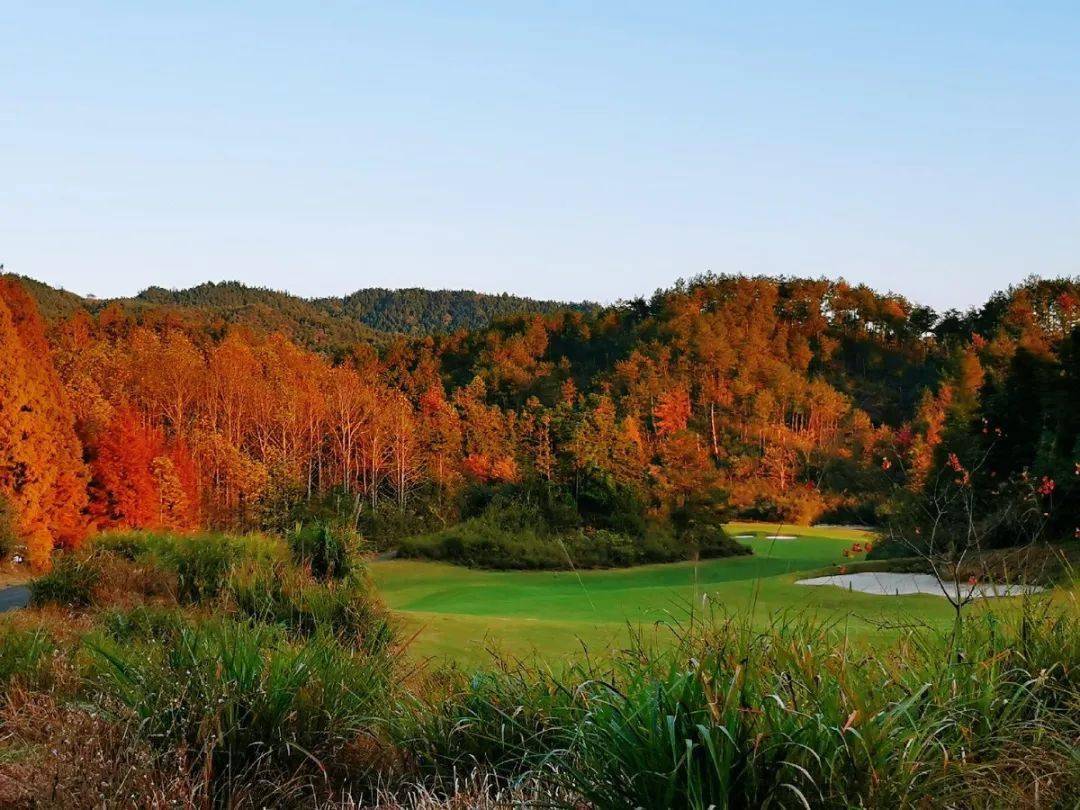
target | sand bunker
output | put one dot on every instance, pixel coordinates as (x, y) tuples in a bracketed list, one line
[(885, 583), (745, 536), (781, 537)]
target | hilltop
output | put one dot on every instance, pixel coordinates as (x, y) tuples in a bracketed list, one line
[(367, 315)]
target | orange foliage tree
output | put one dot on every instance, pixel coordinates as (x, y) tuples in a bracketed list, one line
[(41, 468)]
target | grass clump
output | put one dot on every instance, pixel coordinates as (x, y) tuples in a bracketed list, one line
[(121, 568), (287, 597), (25, 656), (69, 583), (245, 699), (325, 548)]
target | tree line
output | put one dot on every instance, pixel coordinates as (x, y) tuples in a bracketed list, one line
[(779, 399)]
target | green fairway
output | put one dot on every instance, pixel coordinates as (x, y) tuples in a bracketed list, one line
[(457, 612)]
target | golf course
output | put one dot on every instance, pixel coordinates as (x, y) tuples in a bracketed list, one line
[(464, 614)]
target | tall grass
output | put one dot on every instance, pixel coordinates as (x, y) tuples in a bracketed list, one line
[(245, 700), (25, 656), (267, 686), (284, 596), (70, 582), (793, 715), (202, 563)]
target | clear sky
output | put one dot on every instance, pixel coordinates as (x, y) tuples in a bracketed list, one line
[(559, 149)]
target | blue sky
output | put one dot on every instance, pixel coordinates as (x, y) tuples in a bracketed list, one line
[(565, 150)]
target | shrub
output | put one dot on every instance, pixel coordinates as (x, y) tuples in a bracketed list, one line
[(326, 548), (605, 504), (202, 568), (70, 582), (387, 522), (486, 543)]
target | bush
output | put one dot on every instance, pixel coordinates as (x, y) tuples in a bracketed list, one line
[(387, 522), (604, 504), (513, 529), (479, 543), (327, 549), (70, 582)]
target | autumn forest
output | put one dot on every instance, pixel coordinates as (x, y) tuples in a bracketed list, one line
[(773, 399)]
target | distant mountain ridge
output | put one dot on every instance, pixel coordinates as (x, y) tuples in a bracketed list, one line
[(416, 310), (337, 320)]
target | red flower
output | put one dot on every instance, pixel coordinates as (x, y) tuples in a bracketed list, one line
[(1046, 486), (973, 581)]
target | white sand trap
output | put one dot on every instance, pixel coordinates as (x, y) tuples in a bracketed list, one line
[(745, 536), (781, 537), (884, 583)]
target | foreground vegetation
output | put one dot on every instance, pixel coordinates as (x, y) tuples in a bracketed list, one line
[(231, 671)]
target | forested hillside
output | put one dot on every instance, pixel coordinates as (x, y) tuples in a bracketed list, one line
[(796, 400), (419, 312), (326, 324)]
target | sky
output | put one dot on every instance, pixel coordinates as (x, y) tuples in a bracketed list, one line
[(560, 150)]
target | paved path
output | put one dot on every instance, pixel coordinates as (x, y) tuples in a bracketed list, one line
[(16, 596)]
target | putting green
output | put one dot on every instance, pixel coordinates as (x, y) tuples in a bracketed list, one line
[(460, 612)]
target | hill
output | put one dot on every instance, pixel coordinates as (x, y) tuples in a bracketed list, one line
[(774, 399), (317, 323), (416, 311)]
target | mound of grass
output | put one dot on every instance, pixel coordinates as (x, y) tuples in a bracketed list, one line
[(250, 578), (326, 549), (201, 563)]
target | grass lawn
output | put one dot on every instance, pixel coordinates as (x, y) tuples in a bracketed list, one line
[(458, 612)]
